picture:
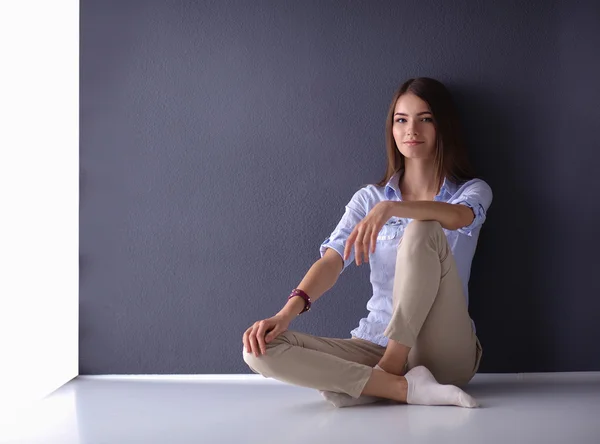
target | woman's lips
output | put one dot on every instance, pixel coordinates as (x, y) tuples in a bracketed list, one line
[(413, 143)]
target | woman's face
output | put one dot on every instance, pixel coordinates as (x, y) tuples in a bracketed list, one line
[(413, 120)]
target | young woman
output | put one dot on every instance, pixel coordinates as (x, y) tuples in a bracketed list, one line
[(418, 230)]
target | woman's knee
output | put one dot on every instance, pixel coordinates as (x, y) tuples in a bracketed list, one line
[(419, 233), (422, 229), (260, 363), (255, 363)]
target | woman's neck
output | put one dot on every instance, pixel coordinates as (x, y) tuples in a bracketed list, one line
[(419, 182)]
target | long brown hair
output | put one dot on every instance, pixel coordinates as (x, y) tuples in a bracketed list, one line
[(451, 158)]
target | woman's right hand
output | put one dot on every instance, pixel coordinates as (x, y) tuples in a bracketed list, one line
[(262, 332)]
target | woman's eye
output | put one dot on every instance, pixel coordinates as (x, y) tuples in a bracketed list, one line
[(428, 119)]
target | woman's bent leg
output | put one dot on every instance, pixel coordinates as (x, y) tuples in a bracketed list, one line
[(430, 311), (331, 364)]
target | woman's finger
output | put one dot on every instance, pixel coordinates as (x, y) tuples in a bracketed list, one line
[(272, 334), (253, 342), (358, 247), (366, 245), (260, 336), (349, 243), (374, 240), (362, 246), (246, 341)]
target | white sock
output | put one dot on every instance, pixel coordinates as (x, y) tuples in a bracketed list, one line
[(425, 390), (345, 400)]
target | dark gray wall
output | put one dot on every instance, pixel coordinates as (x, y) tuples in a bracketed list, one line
[(221, 140)]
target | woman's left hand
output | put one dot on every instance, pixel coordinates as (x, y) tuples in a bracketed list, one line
[(365, 232)]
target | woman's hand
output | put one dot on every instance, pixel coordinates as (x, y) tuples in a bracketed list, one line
[(254, 338), (365, 232)]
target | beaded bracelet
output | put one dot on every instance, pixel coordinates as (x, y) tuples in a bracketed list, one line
[(303, 295)]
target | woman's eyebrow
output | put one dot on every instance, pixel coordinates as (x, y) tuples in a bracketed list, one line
[(403, 114)]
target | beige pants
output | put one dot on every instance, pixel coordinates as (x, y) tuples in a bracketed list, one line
[(430, 315)]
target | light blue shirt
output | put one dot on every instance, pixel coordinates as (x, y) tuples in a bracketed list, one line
[(475, 194)]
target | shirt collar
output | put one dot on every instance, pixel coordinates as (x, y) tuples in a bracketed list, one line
[(392, 187)]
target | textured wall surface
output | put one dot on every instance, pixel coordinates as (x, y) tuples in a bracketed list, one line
[(221, 140)]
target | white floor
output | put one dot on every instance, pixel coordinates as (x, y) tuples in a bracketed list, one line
[(516, 408)]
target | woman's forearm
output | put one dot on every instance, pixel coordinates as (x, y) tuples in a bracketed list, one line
[(448, 215), (321, 276)]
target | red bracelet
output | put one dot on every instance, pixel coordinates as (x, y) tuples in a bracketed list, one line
[(303, 295)]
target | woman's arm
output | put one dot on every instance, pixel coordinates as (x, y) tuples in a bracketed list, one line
[(321, 276), (450, 216)]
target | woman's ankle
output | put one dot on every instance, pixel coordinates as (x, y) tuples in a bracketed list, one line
[(402, 390), (393, 368)]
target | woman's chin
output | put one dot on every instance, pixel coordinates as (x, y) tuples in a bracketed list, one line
[(413, 155)]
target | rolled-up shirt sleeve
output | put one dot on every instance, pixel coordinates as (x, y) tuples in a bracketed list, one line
[(477, 195), (353, 214)]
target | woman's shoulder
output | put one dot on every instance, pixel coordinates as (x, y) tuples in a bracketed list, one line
[(476, 191), (473, 184), (369, 193), (366, 197)]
